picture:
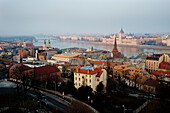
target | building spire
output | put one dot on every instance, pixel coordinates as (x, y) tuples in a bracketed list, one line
[(49, 44), (44, 41), (48, 41), (115, 47), (44, 45)]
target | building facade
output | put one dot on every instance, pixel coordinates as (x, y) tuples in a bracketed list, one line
[(153, 61), (90, 76)]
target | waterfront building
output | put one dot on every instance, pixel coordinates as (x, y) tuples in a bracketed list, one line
[(121, 35), (89, 76)]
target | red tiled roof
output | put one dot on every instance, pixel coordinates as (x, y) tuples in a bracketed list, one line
[(45, 70), (29, 45), (151, 82), (164, 65), (159, 73), (100, 72), (17, 65), (35, 47), (86, 71), (99, 62)]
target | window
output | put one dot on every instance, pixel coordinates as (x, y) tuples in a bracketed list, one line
[(75, 73), (82, 77), (75, 78), (79, 74), (76, 84), (86, 75), (79, 84), (86, 80), (90, 81), (79, 79), (98, 80)]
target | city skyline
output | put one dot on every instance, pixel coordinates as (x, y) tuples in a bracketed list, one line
[(83, 17)]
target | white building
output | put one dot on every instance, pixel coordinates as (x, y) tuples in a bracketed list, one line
[(90, 76)]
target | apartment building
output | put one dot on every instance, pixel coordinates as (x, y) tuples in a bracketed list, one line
[(153, 61), (90, 76)]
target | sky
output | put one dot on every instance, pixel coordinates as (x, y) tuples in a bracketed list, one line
[(31, 17)]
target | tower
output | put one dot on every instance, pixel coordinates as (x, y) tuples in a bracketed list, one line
[(115, 52), (115, 47), (24, 43), (121, 35), (49, 44), (44, 45)]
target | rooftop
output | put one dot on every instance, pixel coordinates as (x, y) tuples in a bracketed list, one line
[(88, 67), (66, 55)]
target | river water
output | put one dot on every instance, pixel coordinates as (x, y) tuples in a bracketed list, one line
[(127, 51)]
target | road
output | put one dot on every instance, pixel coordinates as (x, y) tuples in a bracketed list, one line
[(51, 101), (54, 100)]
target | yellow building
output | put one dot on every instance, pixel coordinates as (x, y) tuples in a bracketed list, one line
[(65, 57), (152, 62), (133, 76), (90, 76)]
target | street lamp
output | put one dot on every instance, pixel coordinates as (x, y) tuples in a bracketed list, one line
[(88, 98), (123, 108)]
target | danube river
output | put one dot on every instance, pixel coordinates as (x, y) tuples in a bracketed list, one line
[(127, 51)]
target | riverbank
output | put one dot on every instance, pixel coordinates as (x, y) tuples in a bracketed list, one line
[(121, 45)]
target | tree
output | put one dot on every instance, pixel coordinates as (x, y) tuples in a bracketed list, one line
[(100, 88), (19, 74), (84, 92)]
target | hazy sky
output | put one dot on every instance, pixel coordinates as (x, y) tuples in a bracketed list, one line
[(29, 17)]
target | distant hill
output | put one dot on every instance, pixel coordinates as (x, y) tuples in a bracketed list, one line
[(16, 38)]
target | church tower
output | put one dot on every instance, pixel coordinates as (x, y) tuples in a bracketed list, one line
[(44, 45), (115, 53), (49, 44), (24, 43), (115, 47), (121, 35)]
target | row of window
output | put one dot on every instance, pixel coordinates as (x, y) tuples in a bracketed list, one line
[(79, 84), (79, 75), (82, 78)]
